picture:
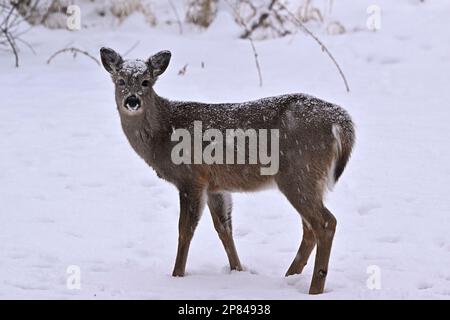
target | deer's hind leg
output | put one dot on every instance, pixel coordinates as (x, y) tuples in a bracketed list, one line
[(307, 200), (220, 205), (306, 247)]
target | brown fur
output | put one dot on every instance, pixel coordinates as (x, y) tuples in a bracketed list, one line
[(315, 139)]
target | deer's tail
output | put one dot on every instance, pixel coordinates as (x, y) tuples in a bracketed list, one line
[(344, 134)]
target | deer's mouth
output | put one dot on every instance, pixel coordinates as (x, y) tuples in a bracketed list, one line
[(132, 103)]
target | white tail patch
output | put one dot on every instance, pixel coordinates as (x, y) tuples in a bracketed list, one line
[(337, 149)]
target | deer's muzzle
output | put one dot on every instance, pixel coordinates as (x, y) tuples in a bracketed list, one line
[(132, 103)]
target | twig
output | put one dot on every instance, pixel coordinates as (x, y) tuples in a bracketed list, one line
[(10, 32), (262, 18), (27, 44), (48, 11), (175, 12), (132, 48), (255, 53), (183, 70), (323, 47), (5, 22), (12, 44), (74, 51), (256, 61)]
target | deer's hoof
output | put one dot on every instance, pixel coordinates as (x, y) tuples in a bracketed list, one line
[(291, 273), (315, 291), (236, 268), (176, 273)]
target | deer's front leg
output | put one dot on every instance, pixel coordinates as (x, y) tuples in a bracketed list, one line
[(191, 206)]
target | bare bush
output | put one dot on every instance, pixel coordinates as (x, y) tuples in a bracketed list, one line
[(277, 9), (307, 12), (122, 9), (269, 19), (50, 13), (263, 19), (13, 25), (201, 12)]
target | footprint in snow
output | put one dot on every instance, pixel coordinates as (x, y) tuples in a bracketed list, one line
[(93, 184), (48, 258), (80, 135), (424, 286), (74, 234), (100, 269), (293, 279), (389, 239), (367, 209), (147, 183), (42, 266), (142, 253), (165, 204), (129, 245), (390, 61), (272, 217), (45, 220), (241, 232), (18, 255), (60, 174), (28, 286)]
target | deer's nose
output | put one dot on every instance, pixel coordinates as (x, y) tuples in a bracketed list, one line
[(132, 103)]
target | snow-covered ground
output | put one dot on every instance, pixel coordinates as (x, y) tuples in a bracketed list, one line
[(72, 192)]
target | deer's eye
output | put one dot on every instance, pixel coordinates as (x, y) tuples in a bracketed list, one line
[(121, 82), (145, 83)]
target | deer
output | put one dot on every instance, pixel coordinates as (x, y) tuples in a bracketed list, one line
[(316, 139)]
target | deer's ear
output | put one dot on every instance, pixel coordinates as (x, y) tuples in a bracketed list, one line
[(111, 60), (159, 62)]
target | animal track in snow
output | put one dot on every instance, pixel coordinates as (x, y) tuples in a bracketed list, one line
[(18, 255), (424, 286), (28, 286), (147, 183), (100, 269), (241, 232), (389, 239), (45, 220), (368, 208), (390, 61), (93, 184)]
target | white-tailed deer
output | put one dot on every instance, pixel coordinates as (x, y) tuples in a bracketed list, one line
[(315, 142)]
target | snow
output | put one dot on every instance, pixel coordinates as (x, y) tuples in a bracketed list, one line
[(74, 193), (135, 67)]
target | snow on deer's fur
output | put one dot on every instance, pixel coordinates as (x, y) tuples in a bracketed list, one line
[(315, 141)]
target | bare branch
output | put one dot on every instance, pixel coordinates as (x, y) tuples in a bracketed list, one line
[(257, 62), (132, 48), (177, 17), (10, 28), (262, 18), (48, 11), (255, 53), (27, 44), (323, 47), (12, 44), (183, 70), (74, 51)]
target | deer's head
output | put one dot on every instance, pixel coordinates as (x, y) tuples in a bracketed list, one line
[(134, 79)]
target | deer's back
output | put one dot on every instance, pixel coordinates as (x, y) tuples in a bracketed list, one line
[(306, 139)]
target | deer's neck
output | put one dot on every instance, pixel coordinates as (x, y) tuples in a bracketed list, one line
[(157, 114), (147, 133)]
